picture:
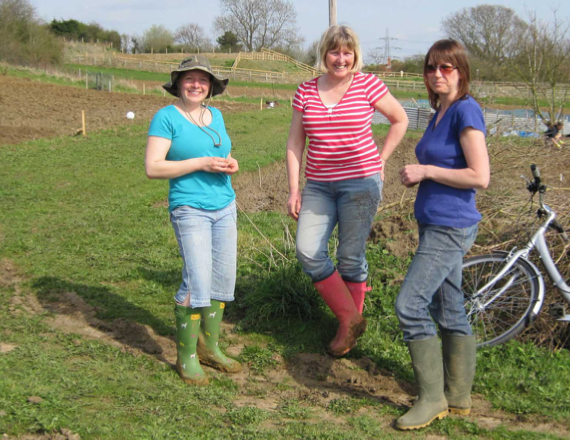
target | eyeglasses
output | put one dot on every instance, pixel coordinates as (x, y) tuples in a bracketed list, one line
[(445, 69)]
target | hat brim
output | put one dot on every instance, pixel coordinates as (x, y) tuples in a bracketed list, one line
[(218, 84)]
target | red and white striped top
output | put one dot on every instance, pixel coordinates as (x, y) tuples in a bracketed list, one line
[(340, 138)]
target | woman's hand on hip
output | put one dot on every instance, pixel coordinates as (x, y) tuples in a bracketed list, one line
[(233, 166), (294, 204), (214, 164), (411, 175)]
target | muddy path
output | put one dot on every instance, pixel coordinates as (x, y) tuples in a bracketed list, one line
[(313, 379)]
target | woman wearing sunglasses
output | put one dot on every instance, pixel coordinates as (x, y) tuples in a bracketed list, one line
[(453, 163)]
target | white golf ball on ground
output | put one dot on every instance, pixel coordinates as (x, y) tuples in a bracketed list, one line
[(130, 115)]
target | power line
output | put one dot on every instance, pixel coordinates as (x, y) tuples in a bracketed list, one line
[(387, 57)]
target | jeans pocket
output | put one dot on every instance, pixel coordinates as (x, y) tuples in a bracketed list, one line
[(469, 237)]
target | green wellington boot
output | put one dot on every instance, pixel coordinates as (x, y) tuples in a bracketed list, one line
[(187, 331), (208, 349), (459, 371), (428, 369)]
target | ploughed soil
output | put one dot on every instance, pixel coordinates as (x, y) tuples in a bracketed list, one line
[(33, 110)]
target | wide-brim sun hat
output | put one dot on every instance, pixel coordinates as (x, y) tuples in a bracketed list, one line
[(195, 62)]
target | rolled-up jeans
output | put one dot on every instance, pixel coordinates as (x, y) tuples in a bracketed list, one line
[(352, 204), (432, 287), (208, 245)]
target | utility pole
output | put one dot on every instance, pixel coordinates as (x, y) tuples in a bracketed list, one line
[(332, 12)]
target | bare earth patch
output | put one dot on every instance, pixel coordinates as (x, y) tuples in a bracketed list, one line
[(34, 110)]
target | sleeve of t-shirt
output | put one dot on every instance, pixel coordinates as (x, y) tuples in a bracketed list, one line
[(374, 88), (161, 125), (470, 115), (299, 99)]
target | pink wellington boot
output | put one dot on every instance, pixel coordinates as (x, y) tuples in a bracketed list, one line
[(351, 325), (358, 292)]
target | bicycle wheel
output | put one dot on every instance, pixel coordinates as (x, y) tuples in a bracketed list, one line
[(495, 321)]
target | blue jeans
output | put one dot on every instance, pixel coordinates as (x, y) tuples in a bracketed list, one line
[(208, 245), (432, 287), (352, 204)]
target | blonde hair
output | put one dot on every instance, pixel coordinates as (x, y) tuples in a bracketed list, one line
[(336, 37)]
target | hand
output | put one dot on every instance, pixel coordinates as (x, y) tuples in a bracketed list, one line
[(294, 204), (214, 164), (411, 175), (382, 171), (233, 166)]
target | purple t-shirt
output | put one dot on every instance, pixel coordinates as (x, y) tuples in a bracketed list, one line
[(436, 203)]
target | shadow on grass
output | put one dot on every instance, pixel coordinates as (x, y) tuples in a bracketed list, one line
[(98, 313)]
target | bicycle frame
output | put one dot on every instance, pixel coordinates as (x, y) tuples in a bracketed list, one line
[(547, 260), (538, 241)]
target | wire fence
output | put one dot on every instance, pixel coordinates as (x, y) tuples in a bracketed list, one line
[(505, 122)]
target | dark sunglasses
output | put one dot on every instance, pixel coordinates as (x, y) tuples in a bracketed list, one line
[(445, 69)]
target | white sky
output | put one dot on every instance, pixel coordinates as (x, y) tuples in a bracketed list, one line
[(416, 23)]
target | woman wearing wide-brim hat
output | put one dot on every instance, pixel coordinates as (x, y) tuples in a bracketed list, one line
[(188, 144)]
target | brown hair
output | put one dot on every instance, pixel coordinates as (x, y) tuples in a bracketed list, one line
[(452, 52), (335, 37)]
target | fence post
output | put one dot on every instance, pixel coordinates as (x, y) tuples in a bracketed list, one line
[(86, 81), (418, 123)]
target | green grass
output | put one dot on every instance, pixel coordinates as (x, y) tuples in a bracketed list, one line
[(80, 216)]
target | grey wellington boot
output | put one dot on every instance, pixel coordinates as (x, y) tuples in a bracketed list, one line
[(428, 369), (459, 371)]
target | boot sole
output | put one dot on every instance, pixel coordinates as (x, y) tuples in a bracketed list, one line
[(440, 416), (221, 367), (354, 333), (460, 411)]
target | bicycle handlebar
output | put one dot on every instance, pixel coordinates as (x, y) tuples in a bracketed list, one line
[(536, 174)]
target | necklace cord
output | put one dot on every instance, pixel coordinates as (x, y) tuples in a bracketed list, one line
[(201, 124)]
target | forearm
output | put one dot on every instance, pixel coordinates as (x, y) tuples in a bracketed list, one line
[(170, 169), (465, 178), (394, 137), (294, 162)]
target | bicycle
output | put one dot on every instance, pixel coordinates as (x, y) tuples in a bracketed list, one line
[(504, 291)]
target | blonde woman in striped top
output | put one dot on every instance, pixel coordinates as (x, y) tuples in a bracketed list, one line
[(345, 173)]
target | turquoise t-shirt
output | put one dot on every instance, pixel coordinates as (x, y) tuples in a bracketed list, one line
[(201, 189)]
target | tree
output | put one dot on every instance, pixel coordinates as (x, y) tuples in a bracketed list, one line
[(157, 38), (24, 38), (229, 42), (259, 23), (543, 63), (488, 32), (192, 37)]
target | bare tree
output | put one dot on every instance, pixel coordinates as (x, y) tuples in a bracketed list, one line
[(192, 37), (489, 32), (543, 63), (259, 23)]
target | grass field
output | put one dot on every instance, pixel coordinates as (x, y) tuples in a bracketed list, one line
[(80, 222)]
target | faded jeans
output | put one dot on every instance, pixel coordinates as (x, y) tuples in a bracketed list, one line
[(352, 204), (208, 245), (432, 287)]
